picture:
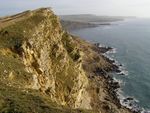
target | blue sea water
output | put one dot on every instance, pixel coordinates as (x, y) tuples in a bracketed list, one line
[(131, 38)]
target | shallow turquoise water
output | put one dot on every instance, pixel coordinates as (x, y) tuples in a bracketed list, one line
[(132, 40)]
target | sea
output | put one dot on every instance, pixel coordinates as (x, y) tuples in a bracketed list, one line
[(131, 40)]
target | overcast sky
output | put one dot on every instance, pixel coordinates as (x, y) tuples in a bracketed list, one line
[(140, 8)]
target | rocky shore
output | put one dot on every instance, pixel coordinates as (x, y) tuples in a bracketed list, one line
[(104, 84), (104, 49), (44, 69), (112, 85)]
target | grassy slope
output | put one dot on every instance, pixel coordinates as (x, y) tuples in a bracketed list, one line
[(13, 77), (16, 98)]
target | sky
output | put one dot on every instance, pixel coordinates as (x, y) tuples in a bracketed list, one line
[(139, 8)]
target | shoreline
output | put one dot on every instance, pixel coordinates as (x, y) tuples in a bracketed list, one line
[(114, 85), (57, 73), (126, 101)]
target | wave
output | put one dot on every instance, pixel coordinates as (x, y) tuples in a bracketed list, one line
[(121, 67), (126, 101), (123, 70), (100, 45), (112, 51), (129, 102)]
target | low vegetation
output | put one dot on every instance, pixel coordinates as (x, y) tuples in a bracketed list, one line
[(44, 69)]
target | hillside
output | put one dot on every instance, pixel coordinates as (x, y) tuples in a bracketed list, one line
[(44, 69), (75, 22), (91, 18), (73, 25)]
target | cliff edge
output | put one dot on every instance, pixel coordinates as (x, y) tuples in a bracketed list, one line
[(44, 69)]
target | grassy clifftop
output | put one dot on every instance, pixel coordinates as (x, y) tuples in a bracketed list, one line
[(44, 69)]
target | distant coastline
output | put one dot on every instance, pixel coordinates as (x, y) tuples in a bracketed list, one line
[(75, 22), (73, 25)]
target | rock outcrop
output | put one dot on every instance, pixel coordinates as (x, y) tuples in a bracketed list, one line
[(44, 69)]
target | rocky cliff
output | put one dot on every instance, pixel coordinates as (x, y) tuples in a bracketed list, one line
[(44, 69)]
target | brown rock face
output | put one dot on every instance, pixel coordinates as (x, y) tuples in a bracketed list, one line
[(46, 70)]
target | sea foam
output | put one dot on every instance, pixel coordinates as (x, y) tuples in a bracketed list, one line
[(126, 101)]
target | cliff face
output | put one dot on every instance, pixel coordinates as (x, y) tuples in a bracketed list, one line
[(43, 69)]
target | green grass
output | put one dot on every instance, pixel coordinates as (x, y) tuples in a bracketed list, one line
[(10, 64), (14, 97), (14, 101), (13, 35)]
